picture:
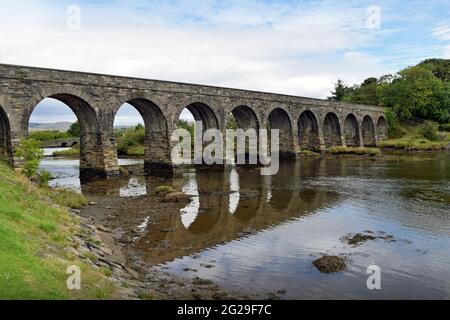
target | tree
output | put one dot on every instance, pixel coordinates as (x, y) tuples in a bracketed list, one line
[(340, 91), (417, 92), (31, 152), (74, 130)]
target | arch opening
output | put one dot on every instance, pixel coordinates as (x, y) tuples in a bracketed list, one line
[(140, 130), (55, 113), (5, 137), (351, 131), (244, 118), (203, 113), (308, 131), (332, 131), (382, 128), (279, 119), (368, 132)]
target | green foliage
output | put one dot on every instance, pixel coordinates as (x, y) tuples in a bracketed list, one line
[(31, 152), (394, 131), (430, 130), (182, 124), (445, 127), (130, 138), (231, 123), (354, 151), (163, 190), (421, 91), (72, 152), (341, 90), (48, 135), (439, 67), (43, 178), (74, 130), (417, 92)]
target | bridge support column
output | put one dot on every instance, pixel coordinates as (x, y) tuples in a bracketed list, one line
[(322, 146), (98, 158), (158, 155)]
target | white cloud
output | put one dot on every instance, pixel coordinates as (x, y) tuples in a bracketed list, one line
[(442, 30), (253, 46)]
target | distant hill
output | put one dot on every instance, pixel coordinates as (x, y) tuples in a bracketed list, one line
[(57, 126)]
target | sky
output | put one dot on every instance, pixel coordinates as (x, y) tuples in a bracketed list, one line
[(291, 47)]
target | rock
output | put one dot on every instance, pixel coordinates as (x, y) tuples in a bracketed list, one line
[(201, 282), (330, 264), (133, 273), (177, 197), (92, 203), (71, 250), (104, 229)]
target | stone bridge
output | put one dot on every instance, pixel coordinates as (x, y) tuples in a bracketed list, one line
[(304, 123)]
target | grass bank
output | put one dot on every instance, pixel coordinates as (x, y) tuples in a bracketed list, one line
[(413, 140), (35, 232), (72, 152), (353, 151)]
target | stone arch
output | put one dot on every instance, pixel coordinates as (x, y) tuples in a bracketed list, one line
[(382, 128), (332, 130), (308, 131), (368, 132), (246, 118), (5, 137), (157, 142), (351, 131), (92, 159), (205, 114), (279, 119)]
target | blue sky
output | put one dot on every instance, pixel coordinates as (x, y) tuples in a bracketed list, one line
[(293, 47)]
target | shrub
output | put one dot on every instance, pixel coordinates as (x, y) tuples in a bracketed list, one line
[(130, 138), (31, 152), (43, 178), (163, 190), (430, 130), (48, 135), (445, 127)]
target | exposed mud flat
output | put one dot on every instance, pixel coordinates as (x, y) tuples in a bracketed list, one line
[(120, 216)]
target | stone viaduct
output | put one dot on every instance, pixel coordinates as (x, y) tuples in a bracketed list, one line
[(304, 123)]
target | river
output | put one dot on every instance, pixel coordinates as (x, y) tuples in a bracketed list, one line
[(257, 234)]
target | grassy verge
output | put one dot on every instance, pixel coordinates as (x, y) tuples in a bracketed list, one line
[(35, 228), (413, 140), (72, 152), (354, 151)]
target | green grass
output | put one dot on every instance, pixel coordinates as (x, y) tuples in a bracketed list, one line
[(72, 152), (352, 150), (33, 233), (413, 140), (49, 135)]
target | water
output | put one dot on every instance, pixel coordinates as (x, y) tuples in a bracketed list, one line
[(257, 234)]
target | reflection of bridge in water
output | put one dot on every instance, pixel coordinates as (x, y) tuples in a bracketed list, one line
[(225, 205)]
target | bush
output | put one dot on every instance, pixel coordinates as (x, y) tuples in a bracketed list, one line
[(430, 130), (130, 138), (48, 135), (444, 127), (43, 178), (31, 152)]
